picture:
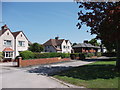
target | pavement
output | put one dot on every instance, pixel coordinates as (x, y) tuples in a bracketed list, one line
[(35, 76)]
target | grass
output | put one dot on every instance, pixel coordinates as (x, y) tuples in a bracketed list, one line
[(100, 74)]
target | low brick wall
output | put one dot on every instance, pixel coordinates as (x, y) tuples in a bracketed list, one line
[(23, 63)]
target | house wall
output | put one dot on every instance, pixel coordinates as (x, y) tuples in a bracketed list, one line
[(64, 50), (20, 48), (5, 36), (49, 49), (70, 47)]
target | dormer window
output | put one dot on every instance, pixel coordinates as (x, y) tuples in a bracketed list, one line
[(21, 35)]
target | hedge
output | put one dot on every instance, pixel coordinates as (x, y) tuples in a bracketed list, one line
[(1, 56), (110, 54), (27, 55), (31, 55), (83, 55)]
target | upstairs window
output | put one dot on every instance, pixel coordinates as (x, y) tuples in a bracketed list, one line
[(7, 42), (64, 47), (21, 43)]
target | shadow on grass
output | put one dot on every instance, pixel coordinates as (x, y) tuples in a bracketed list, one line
[(86, 72), (90, 72)]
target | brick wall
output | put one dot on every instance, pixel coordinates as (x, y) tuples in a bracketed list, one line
[(23, 63)]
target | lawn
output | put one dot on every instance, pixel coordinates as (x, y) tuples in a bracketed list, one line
[(100, 74)]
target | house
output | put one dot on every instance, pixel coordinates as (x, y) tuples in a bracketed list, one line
[(11, 43), (58, 45), (86, 47)]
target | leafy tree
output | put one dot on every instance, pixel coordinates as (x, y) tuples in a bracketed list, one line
[(103, 18), (74, 44), (94, 42), (35, 47)]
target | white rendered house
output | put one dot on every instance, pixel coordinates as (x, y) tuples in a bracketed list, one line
[(11, 43), (58, 45)]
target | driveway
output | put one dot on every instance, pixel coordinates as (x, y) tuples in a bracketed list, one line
[(36, 76)]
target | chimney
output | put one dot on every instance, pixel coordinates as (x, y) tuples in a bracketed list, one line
[(4, 27), (85, 41), (56, 38)]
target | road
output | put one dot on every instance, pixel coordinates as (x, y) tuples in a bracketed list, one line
[(34, 77)]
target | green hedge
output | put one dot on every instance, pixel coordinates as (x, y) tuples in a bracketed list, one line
[(82, 55), (27, 55), (31, 55), (98, 54), (1, 56)]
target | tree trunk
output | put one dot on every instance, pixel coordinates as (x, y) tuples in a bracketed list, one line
[(118, 55)]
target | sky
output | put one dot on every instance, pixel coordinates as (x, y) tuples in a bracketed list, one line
[(41, 21)]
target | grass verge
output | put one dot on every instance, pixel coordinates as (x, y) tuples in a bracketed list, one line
[(100, 74)]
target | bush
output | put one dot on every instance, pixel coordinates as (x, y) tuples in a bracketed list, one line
[(110, 54), (90, 54), (27, 55), (98, 54), (1, 56), (74, 55), (51, 55)]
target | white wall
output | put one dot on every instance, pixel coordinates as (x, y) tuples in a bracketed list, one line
[(5, 36), (50, 49), (21, 48), (70, 47)]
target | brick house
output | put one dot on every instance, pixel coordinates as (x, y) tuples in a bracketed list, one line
[(85, 47)]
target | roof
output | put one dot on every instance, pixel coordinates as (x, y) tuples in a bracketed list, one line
[(16, 33), (8, 49), (83, 45), (54, 42), (2, 31)]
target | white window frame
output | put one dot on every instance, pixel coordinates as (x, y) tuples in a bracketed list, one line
[(22, 43), (5, 42), (8, 54)]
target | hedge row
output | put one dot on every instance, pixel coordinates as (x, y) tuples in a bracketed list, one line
[(32, 55), (110, 54), (1, 56), (84, 55)]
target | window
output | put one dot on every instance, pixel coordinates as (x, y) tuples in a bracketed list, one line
[(64, 47), (7, 42), (8, 54), (21, 43), (68, 47)]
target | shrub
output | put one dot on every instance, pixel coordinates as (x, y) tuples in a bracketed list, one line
[(51, 55), (74, 55), (27, 55), (82, 56), (1, 56), (98, 54), (90, 54), (109, 54)]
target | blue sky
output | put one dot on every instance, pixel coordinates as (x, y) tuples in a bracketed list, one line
[(41, 21)]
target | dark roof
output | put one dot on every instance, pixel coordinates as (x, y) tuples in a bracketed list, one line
[(83, 45), (54, 42), (2, 31), (16, 33)]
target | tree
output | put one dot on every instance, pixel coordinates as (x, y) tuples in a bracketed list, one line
[(103, 18), (94, 42), (35, 47), (74, 44)]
